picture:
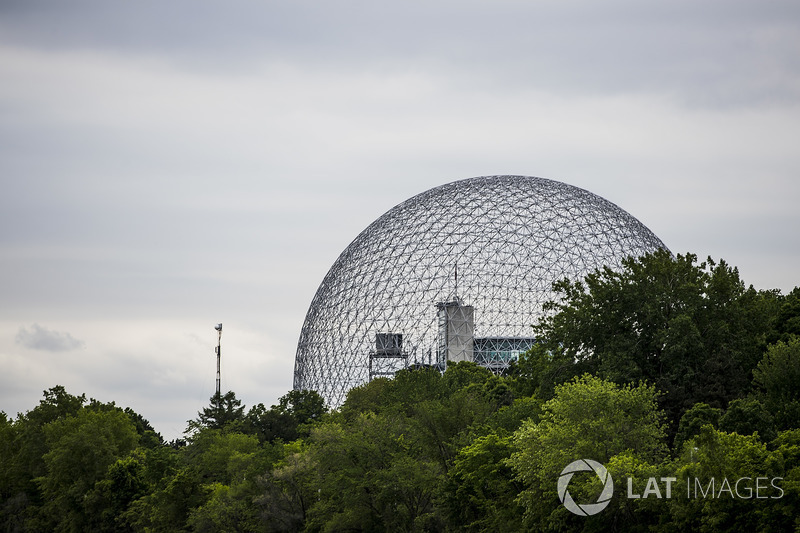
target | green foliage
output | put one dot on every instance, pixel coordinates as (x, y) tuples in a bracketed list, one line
[(111, 496), (787, 320), (544, 366), (289, 489), (371, 396), (747, 416), (73, 466), (148, 436), (81, 449), (381, 462), (708, 472), (56, 405), (693, 330), (371, 475), (593, 418), (25, 445), (777, 379), (665, 340), (224, 411), (305, 406), (13, 494), (480, 491), (588, 418), (408, 388), (633, 514), (228, 508), (699, 415), (219, 455), (211, 489), (509, 418), (229, 464), (287, 420), (168, 506), (442, 426), (30, 443)]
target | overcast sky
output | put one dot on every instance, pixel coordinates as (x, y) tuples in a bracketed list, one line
[(167, 166)]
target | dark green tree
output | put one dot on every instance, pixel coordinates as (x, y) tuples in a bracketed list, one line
[(149, 437), (509, 418), (399, 395), (224, 411), (13, 496), (372, 475), (167, 506), (135, 483), (24, 448), (747, 416), (777, 382), (81, 448), (229, 465), (480, 492), (717, 455), (787, 319), (107, 502), (289, 489), (697, 416), (287, 420), (694, 330)]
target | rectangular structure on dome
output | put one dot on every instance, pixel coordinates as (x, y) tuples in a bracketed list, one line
[(456, 331), (388, 344)]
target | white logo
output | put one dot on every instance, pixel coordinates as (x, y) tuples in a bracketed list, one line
[(585, 465)]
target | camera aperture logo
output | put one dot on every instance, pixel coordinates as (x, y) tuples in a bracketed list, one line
[(585, 465)]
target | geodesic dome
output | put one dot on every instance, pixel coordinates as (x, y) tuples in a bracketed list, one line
[(495, 244)]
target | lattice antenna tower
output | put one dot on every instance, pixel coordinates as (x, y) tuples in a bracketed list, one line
[(218, 327)]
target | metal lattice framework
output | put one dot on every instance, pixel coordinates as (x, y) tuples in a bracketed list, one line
[(495, 243)]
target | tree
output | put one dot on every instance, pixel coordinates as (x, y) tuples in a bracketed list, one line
[(12, 496), (288, 489), (747, 416), (167, 507), (438, 409), (111, 496), (787, 320), (509, 418), (480, 491), (588, 418), (24, 450), (408, 388), (699, 415), (372, 475), (693, 330), (152, 469), (715, 456), (224, 410), (777, 379), (287, 420), (149, 437), (305, 406), (228, 508), (81, 449), (229, 465)]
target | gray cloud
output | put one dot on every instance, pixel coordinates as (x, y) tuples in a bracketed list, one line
[(41, 338), (707, 54)]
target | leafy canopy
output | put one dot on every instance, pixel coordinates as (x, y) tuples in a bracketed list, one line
[(691, 329)]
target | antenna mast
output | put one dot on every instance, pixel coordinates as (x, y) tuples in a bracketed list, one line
[(218, 327), (456, 276)]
